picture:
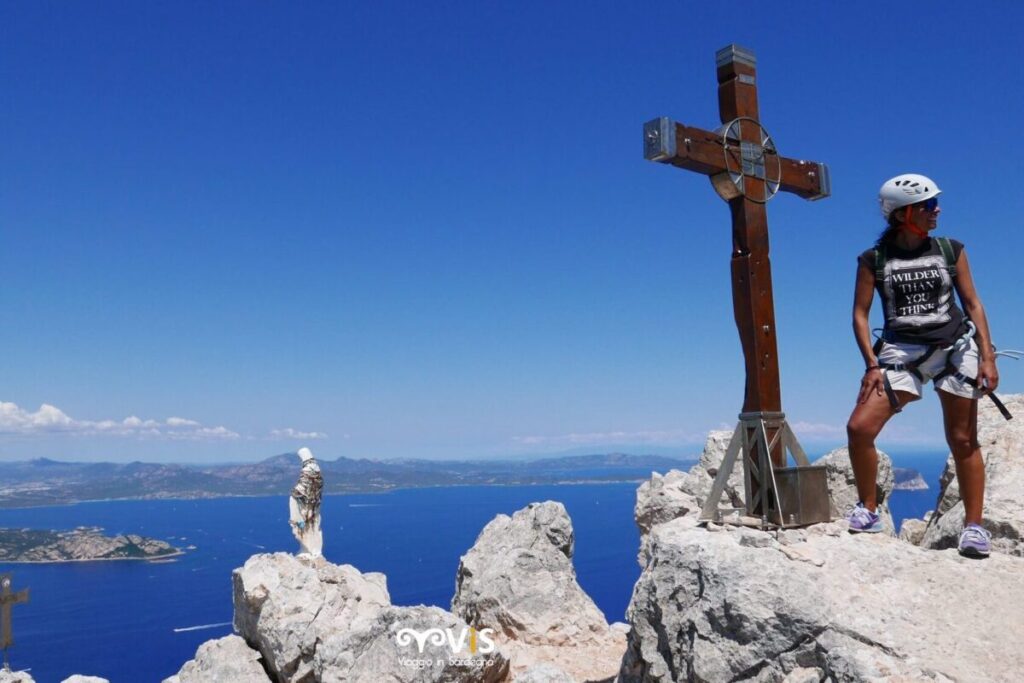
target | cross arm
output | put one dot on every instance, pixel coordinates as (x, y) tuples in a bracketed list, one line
[(807, 179), (687, 147), (703, 151)]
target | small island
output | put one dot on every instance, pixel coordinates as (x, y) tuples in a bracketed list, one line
[(908, 479), (83, 544)]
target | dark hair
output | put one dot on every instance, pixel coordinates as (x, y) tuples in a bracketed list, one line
[(891, 229)]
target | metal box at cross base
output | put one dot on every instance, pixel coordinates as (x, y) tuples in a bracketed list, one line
[(803, 495)]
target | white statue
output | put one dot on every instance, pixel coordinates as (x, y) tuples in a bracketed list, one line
[(304, 506)]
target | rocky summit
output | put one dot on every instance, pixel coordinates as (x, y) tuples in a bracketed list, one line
[(518, 579), (714, 602), (518, 614), (737, 604)]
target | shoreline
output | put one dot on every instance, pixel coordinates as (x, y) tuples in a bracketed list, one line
[(98, 559), (580, 482)]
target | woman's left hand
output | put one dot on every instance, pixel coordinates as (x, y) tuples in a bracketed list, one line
[(988, 376)]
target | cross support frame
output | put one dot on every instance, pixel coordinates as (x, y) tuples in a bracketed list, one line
[(780, 496)]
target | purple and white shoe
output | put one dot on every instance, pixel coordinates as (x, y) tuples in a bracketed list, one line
[(975, 541), (863, 520)]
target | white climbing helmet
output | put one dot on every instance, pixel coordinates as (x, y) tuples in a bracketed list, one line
[(904, 190)]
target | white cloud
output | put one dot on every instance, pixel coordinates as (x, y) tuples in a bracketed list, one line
[(50, 420), (665, 437), (289, 433), (818, 430)]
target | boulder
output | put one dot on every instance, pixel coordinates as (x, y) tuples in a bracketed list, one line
[(409, 645), (285, 605), (315, 621), (912, 530), (842, 487), (518, 579), (682, 494), (79, 678), (15, 676), (737, 604), (224, 660), (1002, 447), (677, 493)]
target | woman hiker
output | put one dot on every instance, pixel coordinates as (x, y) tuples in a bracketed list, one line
[(926, 337)]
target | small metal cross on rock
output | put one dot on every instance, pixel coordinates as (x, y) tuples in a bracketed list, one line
[(8, 600)]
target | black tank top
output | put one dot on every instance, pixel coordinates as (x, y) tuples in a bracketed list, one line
[(917, 293)]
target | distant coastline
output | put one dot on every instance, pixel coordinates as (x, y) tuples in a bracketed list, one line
[(155, 559), (83, 544), (43, 482)]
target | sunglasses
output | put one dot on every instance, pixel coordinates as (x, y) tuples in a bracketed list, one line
[(929, 205)]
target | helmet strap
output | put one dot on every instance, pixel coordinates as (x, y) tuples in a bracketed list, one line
[(910, 226)]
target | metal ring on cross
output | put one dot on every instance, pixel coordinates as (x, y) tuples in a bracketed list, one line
[(749, 159)]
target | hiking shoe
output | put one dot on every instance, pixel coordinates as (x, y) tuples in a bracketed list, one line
[(863, 520), (975, 541)]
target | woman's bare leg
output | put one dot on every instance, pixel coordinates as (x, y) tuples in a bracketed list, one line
[(865, 423), (961, 419)]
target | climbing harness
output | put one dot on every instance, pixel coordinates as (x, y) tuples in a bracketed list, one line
[(961, 343)]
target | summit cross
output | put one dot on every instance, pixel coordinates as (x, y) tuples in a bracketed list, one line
[(746, 170), (8, 600)]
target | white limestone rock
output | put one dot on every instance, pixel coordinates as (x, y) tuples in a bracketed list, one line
[(804, 675), (682, 494), (313, 621), (224, 660), (285, 605), (543, 673), (15, 677), (518, 579), (378, 651), (912, 530), (746, 605), (842, 487), (676, 493), (79, 678), (1002, 447)]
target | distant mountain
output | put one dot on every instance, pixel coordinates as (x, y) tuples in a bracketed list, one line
[(44, 481)]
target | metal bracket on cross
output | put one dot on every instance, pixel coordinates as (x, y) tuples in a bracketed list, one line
[(784, 496), (747, 158)]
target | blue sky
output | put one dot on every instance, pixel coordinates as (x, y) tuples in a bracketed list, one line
[(428, 230)]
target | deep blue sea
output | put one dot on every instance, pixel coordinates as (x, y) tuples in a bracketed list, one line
[(118, 619)]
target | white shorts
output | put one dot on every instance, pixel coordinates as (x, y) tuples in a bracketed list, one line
[(965, 362)]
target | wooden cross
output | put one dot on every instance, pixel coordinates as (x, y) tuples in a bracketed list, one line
[(746, 170), (8, 600)]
